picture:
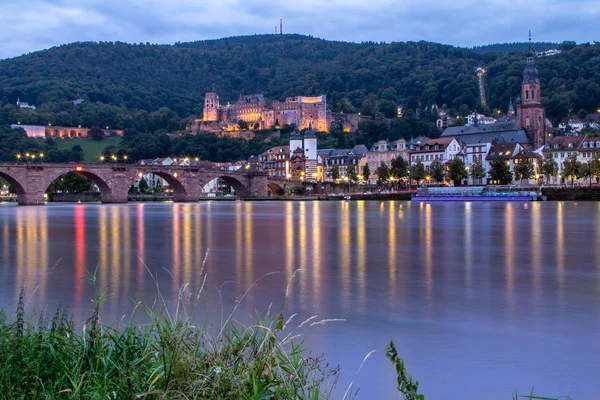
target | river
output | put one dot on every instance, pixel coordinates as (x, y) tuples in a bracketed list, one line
[(481, 299)]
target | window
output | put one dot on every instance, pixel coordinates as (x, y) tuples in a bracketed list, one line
[(570, 145), (597, 144), (562, 155), (555, 155), (533, 94), (585, 145), (556, 145), (527, 94)]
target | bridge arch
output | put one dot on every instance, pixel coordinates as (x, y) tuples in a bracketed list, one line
[(236, 184), (179, 191), (14, 183), (105, 189), (276, 189)]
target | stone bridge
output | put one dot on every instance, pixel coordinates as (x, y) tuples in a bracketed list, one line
[(30, 180)]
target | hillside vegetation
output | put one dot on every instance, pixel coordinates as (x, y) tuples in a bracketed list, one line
[(146, 88)]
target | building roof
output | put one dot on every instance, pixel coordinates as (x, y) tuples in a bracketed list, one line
[(486, 133), (502, 149), (277, 150), (559, 143), (360, 149), (442, 143)]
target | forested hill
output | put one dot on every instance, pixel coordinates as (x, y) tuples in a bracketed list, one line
[(515, 46), (149, 87), (143, 76)]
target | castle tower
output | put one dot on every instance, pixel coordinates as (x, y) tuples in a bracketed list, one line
[(310, 152), (531, 111), (295, 142), (211, 107)]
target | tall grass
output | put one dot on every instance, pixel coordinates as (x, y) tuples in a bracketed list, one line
[(169, 357)]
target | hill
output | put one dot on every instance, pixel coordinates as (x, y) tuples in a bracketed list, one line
[(500, 48), (149, 88)]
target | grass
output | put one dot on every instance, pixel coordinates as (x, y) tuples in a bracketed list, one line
[(92, 149), (170, 357)]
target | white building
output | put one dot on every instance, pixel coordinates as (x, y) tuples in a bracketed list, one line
[(443, 149)]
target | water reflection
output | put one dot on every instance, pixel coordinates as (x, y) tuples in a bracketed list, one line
[(482, 283)]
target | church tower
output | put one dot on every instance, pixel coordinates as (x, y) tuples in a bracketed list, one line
[(211, 107), (531, 111)]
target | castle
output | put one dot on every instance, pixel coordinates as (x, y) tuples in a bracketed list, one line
[(257, 114)]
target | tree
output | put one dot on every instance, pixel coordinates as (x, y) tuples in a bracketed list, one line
[(70, 183), (524, 169), (243, 125), (595, 166), (366, 173), (586, 171), (335, 173), (417, 171), (96, 133), (436, 171), (351, 173), (549, 167), (457, 171), (143, 185), (477, 171), (399, 167), (383, 173), (571, 168), (500, 171)]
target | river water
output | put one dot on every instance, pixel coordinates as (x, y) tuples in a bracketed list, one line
[(481, 299)]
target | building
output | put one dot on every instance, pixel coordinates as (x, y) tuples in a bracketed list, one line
[(275, 161), (342, 159), (443, 150), (25, 105), (254, 111), (61, 132), (531, 113), (487, 133), (384, 151), (562, 147)]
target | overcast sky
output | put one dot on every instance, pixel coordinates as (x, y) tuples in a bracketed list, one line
[(30, 25)]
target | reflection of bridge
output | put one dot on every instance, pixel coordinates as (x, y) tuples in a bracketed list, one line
[(30, 180)]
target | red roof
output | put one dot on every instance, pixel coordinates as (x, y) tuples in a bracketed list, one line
[(562, 143)]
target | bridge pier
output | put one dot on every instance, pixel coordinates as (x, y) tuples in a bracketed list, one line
[(113, 198), (31, 199)]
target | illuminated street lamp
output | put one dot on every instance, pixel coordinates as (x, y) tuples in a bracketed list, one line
[(102, 158)]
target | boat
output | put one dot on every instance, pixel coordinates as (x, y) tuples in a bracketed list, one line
[(478, 193), (347, 198)]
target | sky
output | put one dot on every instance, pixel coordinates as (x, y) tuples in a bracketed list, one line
[(27, 26)]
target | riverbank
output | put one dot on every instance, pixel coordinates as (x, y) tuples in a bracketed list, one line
[(575, 193)]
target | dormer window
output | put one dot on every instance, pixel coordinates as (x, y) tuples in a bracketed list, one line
[(437, 146), (591, 145), (597, 144), (585, 145), (427, 147), (570, 145), (556, 145)]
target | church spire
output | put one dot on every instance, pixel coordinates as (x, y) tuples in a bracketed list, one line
[(530, 73)]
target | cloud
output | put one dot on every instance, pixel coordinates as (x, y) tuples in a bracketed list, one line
[(39, 24)]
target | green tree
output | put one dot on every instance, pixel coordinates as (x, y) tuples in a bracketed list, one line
[(586, 171), (457, 171), (399, 167), (70, 183), (595, 165), (143, 185), (351, 173), (96, 133), (571, 168), (477, 172), (417, 171), (549, 167), (524, 169), (383, 173), (366, 173), (500, 171), (335, 173), (436, 171)]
